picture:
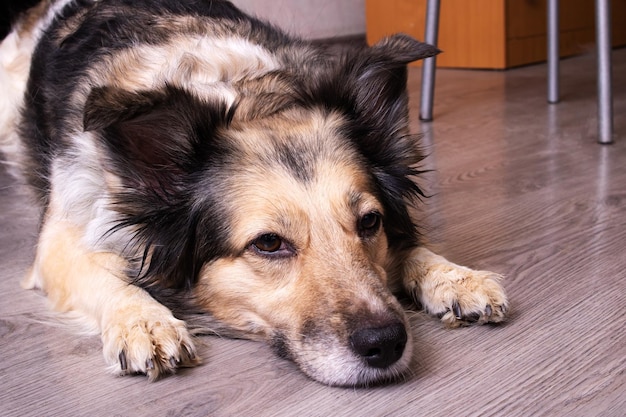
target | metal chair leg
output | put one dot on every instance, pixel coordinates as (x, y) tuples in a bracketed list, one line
[(428, 68), (603, 46), (553, 51), (605, 98)]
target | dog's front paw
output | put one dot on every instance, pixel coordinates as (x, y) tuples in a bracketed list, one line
[(146, 338), (461, 296)]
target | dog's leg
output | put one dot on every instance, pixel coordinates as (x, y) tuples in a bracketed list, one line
[(456, 294), (139, 334)]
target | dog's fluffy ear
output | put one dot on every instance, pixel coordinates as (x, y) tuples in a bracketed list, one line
[(153, 142), (381, 76), (153, 138), (369, 85), (404, 49)]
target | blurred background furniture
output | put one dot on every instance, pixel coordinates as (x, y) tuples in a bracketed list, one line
[(603, 52), (501, 34)]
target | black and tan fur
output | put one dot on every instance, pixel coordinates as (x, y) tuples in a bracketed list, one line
[(198, 167)]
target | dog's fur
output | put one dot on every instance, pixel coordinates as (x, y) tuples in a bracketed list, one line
[(197, 166)]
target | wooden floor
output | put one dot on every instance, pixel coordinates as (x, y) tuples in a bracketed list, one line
[(520, 187)]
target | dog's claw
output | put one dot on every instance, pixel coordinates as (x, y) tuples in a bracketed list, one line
[(149, 364), (123, 362), (456, 309), (173, 362), (473, 317)]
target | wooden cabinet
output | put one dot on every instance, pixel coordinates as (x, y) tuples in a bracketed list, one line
[(495, 34)]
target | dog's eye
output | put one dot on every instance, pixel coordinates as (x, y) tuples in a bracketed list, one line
[(272, 245), (369, 224), (268, 243)]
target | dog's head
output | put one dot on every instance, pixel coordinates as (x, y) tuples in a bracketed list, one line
[(283, 214)]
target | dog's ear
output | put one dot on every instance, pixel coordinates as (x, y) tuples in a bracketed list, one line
[(153, 138), (369, 85), (154, 144), (380, 77), (106, 106), (404, 49)]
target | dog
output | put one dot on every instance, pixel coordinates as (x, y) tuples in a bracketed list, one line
[(201, 171)]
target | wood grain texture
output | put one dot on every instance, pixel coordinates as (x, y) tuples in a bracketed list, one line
[(519, 187)]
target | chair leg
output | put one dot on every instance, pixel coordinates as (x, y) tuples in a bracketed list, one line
[(553, 51), (428, 67), (605, 98)]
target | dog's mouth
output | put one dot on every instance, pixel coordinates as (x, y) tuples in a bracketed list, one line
[(373, 354)]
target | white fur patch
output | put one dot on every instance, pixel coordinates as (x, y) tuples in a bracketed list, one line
[(207, 66)]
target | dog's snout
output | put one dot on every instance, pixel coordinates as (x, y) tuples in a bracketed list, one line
[(380, 347)]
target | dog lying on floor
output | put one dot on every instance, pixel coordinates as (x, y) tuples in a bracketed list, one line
[(201, 171)]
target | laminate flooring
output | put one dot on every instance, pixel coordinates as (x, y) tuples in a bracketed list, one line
[(519, 187)]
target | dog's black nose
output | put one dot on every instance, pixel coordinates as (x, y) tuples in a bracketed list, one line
[(380, 346)]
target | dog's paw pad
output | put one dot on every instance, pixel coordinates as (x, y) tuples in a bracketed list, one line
[(150, 342), (461, 297)]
